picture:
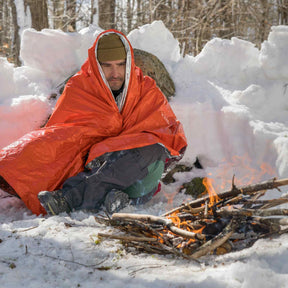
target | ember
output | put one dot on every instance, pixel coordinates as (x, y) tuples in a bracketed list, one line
[(214, 224)]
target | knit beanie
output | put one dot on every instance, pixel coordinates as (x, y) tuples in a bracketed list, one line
[(110, 48)]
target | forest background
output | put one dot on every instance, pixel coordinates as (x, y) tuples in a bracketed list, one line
[(192, 22)]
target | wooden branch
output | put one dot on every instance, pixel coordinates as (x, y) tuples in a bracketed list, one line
[(141, 217), (265, 204), (234, 192), (274, 202), (228, 211), (194, 210), (127, 238), (271, 212), (156, 219), (270, 221)]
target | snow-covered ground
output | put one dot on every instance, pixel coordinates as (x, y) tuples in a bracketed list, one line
[(232, 101)]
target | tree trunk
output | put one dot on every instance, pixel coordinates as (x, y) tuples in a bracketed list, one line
[(16, 39), (71, 14), (93, 11), (106, 14), (139, 14), (282, 12), (1, 24), (129, 16), (264, 20), (39, 13), (58, 13), (5, 30)]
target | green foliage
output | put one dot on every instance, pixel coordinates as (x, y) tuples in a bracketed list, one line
[(195, 187)]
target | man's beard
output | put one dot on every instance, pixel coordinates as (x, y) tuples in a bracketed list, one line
[(117, 84)]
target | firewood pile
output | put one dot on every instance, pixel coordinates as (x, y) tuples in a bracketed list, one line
[(214, 224)]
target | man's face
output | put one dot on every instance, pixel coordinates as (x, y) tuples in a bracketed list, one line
[(114, 72)]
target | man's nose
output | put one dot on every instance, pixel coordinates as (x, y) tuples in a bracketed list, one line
[(114, 72)]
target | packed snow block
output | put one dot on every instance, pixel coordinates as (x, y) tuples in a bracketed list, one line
[(6, 76), (155, 38), (54, 52), (273, 54)]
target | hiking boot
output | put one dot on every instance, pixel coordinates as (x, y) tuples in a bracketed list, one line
[(54, 202), (116, 200)]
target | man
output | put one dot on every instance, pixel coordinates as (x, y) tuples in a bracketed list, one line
[(107, 141)]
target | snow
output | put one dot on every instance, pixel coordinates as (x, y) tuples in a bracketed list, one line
[(46, 53), (232, 101)]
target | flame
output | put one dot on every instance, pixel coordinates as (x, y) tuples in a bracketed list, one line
[(175, 219), (245, 170), (207, 182), (241, 166), (190, 241), (184, 224), (199, 231), (170, 197), (161, 239)]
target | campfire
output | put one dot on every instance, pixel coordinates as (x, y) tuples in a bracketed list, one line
[(214, 224)]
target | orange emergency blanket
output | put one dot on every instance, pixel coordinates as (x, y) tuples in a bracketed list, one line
[(85, 124)]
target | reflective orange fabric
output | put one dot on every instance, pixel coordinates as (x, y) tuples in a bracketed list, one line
[(86, 123)]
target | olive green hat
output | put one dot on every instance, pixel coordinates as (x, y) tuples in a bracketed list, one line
[(110, 48)]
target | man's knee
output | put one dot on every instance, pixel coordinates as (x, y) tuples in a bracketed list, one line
[(150, 154), (147, 184)]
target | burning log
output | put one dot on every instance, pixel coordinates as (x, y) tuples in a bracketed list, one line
[(217, 241), (231, 220), (268, 185), (154, 219)]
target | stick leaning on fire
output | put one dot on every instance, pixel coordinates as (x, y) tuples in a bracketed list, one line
[(188, 230)]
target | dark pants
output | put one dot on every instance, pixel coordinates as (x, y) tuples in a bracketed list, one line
[(119, 170)]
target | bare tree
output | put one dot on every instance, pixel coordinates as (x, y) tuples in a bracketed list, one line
[(129, 14), (16, 39), (2, 25), (58, 13), (93, 10), (4, 32), (264, 15), (282, 12), (39, 13), (106, 14), (9, 32), (71, 15)]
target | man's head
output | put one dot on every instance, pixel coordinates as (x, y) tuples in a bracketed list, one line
[(111, 55)]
